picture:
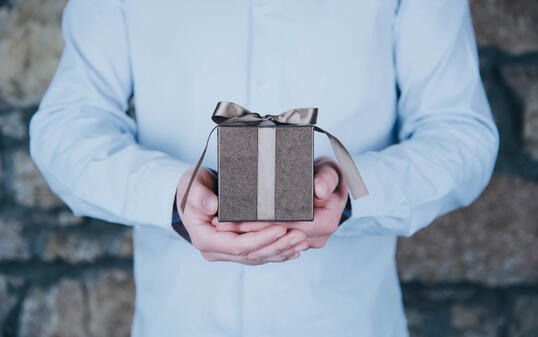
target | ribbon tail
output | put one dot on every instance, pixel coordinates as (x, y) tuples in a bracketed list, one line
[(196, 168), (351, 172)]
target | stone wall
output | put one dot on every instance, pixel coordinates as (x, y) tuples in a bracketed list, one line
[(473, 272)]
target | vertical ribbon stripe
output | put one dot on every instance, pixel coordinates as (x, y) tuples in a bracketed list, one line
[(266, 172)]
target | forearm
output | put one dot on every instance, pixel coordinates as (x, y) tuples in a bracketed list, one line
[(81, 138), (416, 181), (447, 139)]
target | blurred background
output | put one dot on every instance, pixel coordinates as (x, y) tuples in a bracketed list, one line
[(473, 272)]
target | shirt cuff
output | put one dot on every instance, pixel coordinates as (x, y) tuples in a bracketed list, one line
[(366, 209), (382, 210), (177, 224), (158, 193)]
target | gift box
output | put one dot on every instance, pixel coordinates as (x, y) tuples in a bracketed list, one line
[(266, 164), (265, 173)]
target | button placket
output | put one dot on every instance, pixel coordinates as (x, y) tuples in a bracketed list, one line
[(264, 57), (263, 98)]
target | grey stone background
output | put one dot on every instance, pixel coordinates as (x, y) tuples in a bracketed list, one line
[(473, 272)]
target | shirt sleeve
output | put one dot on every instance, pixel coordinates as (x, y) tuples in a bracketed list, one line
[(447, 139), (81, 138)]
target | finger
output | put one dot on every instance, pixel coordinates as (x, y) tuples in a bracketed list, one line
[(242, 244), (325, 181), (315, 228), (225, 226), (286, 255), (213, 257), (242, 227), (202, 199), (288, 241), (228, 227), (318, 242)]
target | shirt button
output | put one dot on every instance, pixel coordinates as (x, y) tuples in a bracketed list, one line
[(265, 9), (264, 87)]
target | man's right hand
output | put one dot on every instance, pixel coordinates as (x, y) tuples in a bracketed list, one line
[(202, 204)]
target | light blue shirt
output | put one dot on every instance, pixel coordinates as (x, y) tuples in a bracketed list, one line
[(396, 81)]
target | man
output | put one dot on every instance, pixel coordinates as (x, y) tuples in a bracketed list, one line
[(396, 81)]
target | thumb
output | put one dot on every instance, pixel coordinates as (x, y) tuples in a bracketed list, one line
[(326, 181), (202, 199), (210, 203)]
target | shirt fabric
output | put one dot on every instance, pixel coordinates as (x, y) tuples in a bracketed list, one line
[(396, 81)]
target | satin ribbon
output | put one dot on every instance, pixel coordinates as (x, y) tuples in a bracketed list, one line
[(229, 113)]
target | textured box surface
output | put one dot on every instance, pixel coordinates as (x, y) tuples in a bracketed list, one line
[(239, 174)]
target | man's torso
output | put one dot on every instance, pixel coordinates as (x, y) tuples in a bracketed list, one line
[(268, 56)]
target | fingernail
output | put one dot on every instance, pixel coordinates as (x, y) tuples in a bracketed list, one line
[(279, 235), (321, 189), (294, 256), (301, 247), (210, 203), (294, 241)]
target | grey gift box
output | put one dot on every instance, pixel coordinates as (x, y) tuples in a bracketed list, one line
[(265, 172), (266, 165)]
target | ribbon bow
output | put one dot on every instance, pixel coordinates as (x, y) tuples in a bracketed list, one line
[(229, 113)]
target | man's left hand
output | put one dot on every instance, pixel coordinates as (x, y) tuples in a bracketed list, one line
[(330, 197)]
